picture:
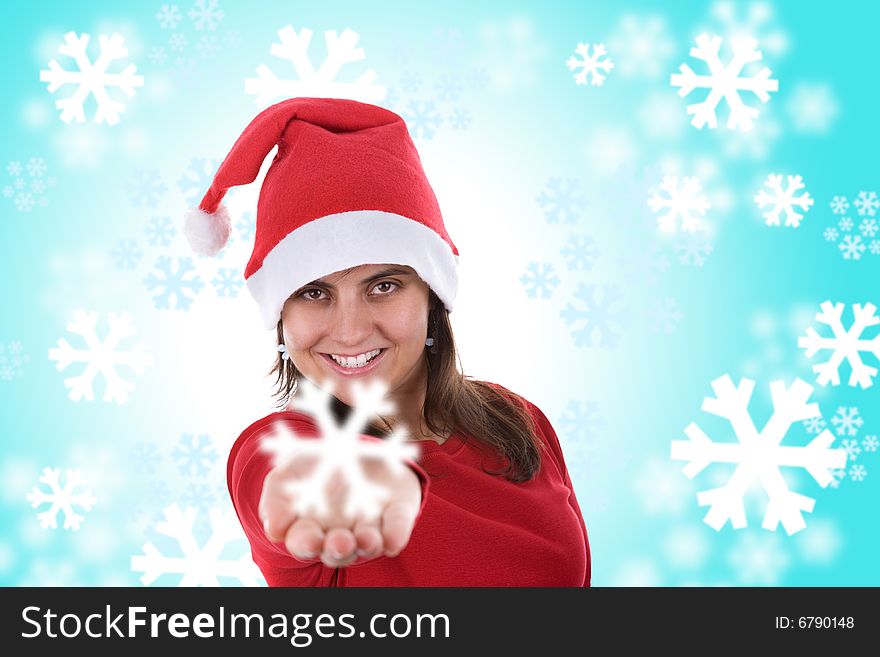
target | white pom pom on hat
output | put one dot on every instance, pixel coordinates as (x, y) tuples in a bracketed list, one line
[(207, 233), (345, 188)]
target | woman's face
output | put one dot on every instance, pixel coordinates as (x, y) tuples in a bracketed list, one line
[(351, 315)]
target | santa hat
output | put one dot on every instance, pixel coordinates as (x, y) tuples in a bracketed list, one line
[(346, 188)]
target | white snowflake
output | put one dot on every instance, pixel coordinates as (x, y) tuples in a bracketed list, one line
[(36, 167), (177, 42), (581, 420), (24, 202), (159, 231), (197, 178), (783, 200), (852, 448), (593, 67), (459, 119), (851, 247), (845, 224), (814, 425), (62, 498), (666, 315), (92, 78), (562, 200), (227, 282), (839, 475), (194, 454), (693, 249), (146, 188), (580, 252), (100, 356), (831, 234), (340, 449), (858, 472), (206, 15), (601, 314), (182, 284), (539, 280), (168, 17), (867, 203), (322, 82), (724, 82), (126, 254), (758, 455), (870, 443), (686, 203), (14, 168), (874, 247), (839, 205), (847, 421), (208, 46), (422, 118), (844, 344), (868, 227), (199, 564), (448, 87)]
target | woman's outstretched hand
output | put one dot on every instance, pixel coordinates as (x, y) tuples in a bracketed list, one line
[(335, 539)]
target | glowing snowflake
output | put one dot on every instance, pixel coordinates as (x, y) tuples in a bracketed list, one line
[(91, 78), (199, 564), (340, 449), (686, 203), (61, 498), (593, 67), (724, 81), (783, 200), (316, 83), (844, 344), (758, 455), (562, 200), (100, 356), (601, 315)]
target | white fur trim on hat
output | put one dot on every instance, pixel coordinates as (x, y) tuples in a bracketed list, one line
[(349, 239), (207, 233)]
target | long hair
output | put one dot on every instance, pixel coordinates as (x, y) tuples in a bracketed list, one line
[(474, 409)]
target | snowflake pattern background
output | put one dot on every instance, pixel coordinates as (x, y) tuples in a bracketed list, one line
[(609, 323)]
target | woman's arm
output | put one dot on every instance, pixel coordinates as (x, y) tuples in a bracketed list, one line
[(247, 468), (546, 428)]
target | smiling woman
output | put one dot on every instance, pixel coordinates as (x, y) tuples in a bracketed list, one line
[(354, 269)]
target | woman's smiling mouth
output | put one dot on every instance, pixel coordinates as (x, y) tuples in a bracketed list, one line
[(355, 365)]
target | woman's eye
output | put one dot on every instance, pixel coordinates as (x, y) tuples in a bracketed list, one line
[(385, 290), (309, 294)]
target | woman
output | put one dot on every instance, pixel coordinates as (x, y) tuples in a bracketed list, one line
[(354, 269)]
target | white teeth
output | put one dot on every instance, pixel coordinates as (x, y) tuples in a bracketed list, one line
[(356, 361)]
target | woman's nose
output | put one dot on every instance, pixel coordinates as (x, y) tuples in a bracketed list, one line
[(352, 323)]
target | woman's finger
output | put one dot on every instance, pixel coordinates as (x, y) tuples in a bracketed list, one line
[(397, 524), (305, 539), (368, 535), (276, 507)]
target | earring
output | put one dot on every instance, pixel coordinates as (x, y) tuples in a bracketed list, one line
[(430, 342), (283, 350)]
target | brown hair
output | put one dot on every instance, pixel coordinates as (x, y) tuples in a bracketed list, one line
[(491, 415)]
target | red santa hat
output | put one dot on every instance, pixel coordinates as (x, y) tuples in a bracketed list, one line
[(346, 188)]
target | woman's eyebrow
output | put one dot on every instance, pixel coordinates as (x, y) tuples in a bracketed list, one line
[(390, 271)]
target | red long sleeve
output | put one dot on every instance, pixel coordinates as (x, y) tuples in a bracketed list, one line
[(473, 528)]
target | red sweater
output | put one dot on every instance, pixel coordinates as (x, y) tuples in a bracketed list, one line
[(472, 529)]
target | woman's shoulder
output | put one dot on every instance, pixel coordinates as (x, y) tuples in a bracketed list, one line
[(532, 408)]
